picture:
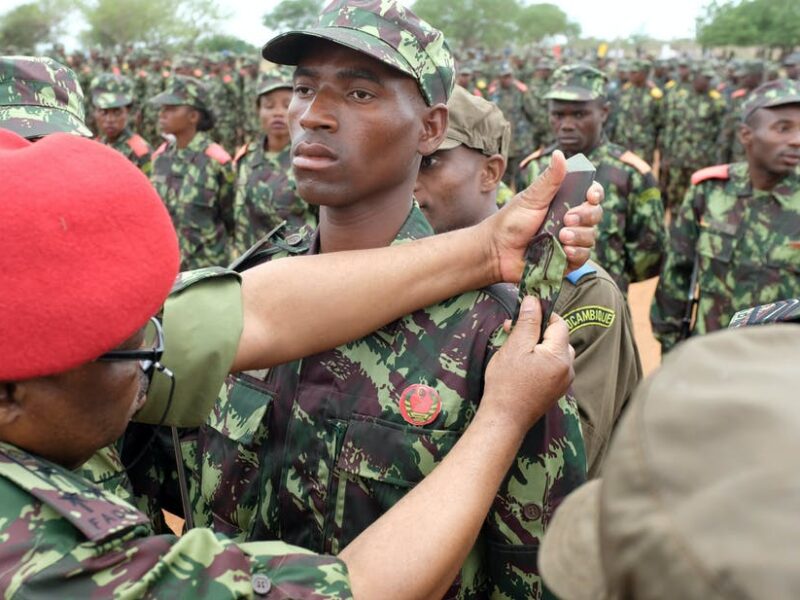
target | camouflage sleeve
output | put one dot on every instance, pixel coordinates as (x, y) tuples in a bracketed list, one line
[(202, 325), (669, 302), (644, 235), (726, 137)]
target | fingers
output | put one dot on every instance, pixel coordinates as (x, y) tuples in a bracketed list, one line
[(556, 336), (576, 257), (539, 194), (529, 323)]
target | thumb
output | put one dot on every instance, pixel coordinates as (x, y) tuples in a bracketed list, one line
[(528, 327), (540, 193)]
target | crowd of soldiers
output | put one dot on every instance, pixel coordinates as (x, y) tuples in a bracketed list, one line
[(437, 455)]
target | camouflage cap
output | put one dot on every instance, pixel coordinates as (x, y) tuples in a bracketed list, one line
[(752, 66), (183, 90), (39, 96), (791, 59), (771, 94), (278, 78), (704, 69), (545, 64), (384, 30), (699, 492), (640, 64), (577, 83), (111, 91), (506, 68), (476, 123)]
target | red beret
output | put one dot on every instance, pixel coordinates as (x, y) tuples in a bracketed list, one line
[(87, 253)]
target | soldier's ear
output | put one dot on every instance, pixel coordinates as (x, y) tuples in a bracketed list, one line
[(745, 134), (434, 129), (605, 107), (10, 408), (494, 167)]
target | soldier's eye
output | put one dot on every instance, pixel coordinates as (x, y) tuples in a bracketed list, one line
[(301, 90), (362, 95)]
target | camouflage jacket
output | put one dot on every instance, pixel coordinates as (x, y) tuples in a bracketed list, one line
[(729, 149), (747, 244), (265, 194), (637, 119), (520, 110), (316, 450), (542, 131), (631, 237), (250, 122), (196, 184), (692, 124), (223, 95), (147, 85), (64, 537), (134, 147)]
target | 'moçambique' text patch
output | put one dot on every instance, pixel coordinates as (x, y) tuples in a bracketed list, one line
[(587, 316)]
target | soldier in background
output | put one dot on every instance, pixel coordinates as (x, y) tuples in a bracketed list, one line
[(637, 114), (631, 237), (737, 233), (542, 132), (457, 187), (791, 65), (193, 175), (112, 97), (692, 122), (266, 193), (749, 75), (249, 77), (519, 108)]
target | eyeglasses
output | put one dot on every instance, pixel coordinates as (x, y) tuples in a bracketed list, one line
[(149, 358)]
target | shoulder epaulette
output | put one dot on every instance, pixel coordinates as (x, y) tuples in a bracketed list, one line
[(739, 93), (531, 157), (186, 279), (116, 71), (160, 149), (670, 84), (714, 95), (165, 74), (218, 153), (240, 152), (141, 73), (575, 276), (721, 86), (635, 161), (198, 73), (520, 86), (138, 145), (272, 243), (227, 78), (715, 172), (656, 93)]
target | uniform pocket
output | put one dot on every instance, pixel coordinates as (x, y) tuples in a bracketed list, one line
[(716, 245)]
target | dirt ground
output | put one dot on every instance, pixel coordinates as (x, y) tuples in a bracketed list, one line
[(639, 297)]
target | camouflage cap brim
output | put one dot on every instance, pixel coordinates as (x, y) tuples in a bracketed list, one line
[(573, 538), (275, 85), (571, 94), (111, 101), (37, 121), (450, 143), (165, 98), (289, 47)]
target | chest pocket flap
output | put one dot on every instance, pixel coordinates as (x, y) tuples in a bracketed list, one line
[(240, 411)]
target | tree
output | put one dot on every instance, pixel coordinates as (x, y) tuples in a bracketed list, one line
[(155, 22), (538, 21), (27, 25), (293, 14), (766, 23), (220, 42)]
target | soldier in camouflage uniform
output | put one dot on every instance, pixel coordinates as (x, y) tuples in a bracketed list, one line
[(63, 361), (749, 75), (457, 187), (148, 82), (638, 118), (631, 237), (265, 188), (250, 78), (224, 101), (193, 175), (692, 122), (739, 224), (112, 96), (518, 106), (542, 133), (39, 96), (317, 450), (791, 65)]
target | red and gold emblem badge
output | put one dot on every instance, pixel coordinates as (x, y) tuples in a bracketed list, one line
[(420, 404)]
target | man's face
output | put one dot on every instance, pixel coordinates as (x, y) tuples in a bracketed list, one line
[(68, 417), (793, 71), (506, 79), (355, 125), (578, 126), (464, 79), (273, 112), (684, 72), (448, 188), (751, 80), (774, 140), (638, 77), (543, 74), (701, 83), (176, 118), (111, 121)]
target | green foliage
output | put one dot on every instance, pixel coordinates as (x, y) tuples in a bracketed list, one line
[(495, 23), (29, 24), (293, 14), (220, 42), (767, 23), (154, 22)]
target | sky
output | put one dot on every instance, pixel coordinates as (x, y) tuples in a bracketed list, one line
[(605, 19)]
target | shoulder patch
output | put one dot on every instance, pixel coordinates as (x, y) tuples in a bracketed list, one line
[(635, 161), (590, 316), (578, 274), (741, 92), (656, 93), (531, 157), (160, 149), (227, 78), (240, 152), (138, 145), (714, 94), (715, 172), (218, 153), (670, 84)]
